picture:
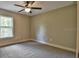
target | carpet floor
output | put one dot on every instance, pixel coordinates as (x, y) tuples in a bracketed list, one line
[(33, 50)]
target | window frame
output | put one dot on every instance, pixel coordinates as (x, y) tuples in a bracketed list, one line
[(8, 27)]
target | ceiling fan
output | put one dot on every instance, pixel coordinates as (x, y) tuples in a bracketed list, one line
[(28, 8)]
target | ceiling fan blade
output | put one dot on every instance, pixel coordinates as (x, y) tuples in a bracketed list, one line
[(35, 8), (18, 5), (21, 10), (32, 2), (27, 3)]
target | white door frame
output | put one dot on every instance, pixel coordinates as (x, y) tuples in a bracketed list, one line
[(77, 41)]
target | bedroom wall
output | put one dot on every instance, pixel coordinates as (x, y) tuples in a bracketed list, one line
[(56, 27), (21, 27)]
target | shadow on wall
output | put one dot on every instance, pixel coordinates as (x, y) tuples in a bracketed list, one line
[(41, 34)]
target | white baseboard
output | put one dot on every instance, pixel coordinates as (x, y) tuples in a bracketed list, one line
[(9, 42), (57, 46)]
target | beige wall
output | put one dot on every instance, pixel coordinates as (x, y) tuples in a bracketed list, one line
[(56, 27), (21, 27)]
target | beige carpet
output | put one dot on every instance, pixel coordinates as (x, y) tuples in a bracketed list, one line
[(33, 50)]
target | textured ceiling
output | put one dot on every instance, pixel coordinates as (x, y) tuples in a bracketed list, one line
[(46, 6)]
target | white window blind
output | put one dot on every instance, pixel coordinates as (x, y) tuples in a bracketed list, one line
[(6, 27)]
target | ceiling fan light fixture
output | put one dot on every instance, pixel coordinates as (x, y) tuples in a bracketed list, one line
[(27, 9)]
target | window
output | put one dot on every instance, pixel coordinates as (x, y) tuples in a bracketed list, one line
[(6, 27)]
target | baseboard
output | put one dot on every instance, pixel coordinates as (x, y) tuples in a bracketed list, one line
[(57, 46), (13, 42)]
